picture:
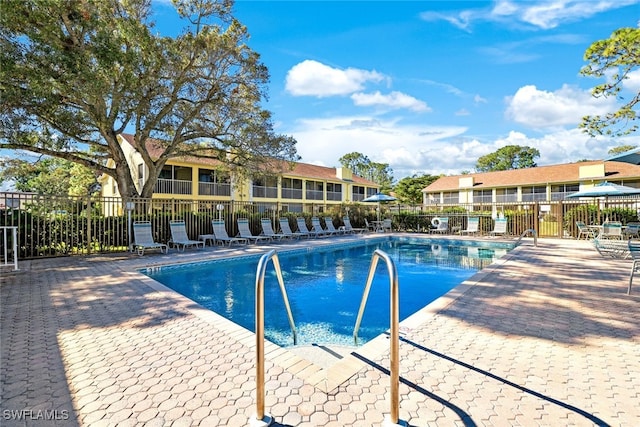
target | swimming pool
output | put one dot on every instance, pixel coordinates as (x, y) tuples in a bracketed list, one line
[(325, 285)]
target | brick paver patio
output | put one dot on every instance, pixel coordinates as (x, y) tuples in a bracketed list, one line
[(546, 336)]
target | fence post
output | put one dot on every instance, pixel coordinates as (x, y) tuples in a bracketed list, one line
[(89, 224)]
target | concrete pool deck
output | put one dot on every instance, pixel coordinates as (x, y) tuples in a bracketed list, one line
[(545, 336)]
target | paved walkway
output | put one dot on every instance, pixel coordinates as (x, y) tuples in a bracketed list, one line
[(546, 336)]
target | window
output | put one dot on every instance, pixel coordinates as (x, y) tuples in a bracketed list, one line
[(450, 197), (315, 190), (334, 191), (265, 187), (291, 188), (482, 196), (559, 192), (506, 195), (213, 183), (357, 193), (534, 194)]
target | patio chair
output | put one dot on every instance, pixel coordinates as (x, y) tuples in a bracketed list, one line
[(316, 227), (441, 225), (143, 238), (179, 236), (220, 231), (328, 222), (500, 227), (634, 252), (302, 228), (286, 230), (267, 230), (473, 224), (370, 227), (245, 232), (386, 225), (611, 230), (349, 229), (631, 230), (583, 230)]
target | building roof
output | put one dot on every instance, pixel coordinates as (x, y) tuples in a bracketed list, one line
[(540, 175), (289, 169)]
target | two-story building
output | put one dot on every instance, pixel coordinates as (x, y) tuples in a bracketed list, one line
[(537, 184), (292, 187)]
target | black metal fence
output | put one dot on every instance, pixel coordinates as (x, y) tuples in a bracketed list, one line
[(60, 226)]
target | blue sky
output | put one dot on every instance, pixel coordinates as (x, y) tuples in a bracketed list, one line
[(430, 86)]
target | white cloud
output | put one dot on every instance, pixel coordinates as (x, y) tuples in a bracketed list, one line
[(539, 109), (632, 82), (406, 148), (393, 100), (551, 13), (410, 148), (312, 78), (541, 14), (564, 146)]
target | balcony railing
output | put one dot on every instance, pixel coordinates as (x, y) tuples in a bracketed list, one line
[(214, 189), (506, 198), (334, 195), (173, 186), (265, 192), (315, 195), (536, 197), (482, 199), (292, 193)]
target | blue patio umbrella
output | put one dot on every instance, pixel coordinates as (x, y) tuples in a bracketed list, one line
[(379, 197), (606, 189)]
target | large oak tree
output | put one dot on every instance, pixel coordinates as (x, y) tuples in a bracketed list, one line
[(76, 73)]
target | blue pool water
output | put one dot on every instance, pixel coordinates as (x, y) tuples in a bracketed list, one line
[(325, 285)]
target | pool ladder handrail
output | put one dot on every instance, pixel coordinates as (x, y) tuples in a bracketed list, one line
[(260, 418), (533, 233), (394, 344)]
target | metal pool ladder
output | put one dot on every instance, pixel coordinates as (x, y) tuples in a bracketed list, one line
[(260, 419), (394, 344)]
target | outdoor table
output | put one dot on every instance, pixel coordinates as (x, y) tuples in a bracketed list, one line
[(206, 237)]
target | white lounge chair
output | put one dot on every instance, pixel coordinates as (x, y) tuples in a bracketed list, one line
[(220, 231), (500, 227), (349, 229), (328, 222), (245, 232), (616, 249), (316, 227), (302, 228), (267, 230), (143, 238), (473, 224), (179, 236), (286, 230)]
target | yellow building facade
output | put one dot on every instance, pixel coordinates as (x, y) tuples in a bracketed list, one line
[(293, 187)]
